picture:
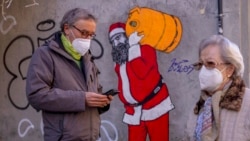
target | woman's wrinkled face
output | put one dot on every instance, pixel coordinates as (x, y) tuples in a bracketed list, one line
[(211, 59)]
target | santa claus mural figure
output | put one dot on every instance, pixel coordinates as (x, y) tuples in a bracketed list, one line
[(143, 92)]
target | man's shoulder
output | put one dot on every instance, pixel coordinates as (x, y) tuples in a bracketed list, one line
[(42, 49), (48, 46)]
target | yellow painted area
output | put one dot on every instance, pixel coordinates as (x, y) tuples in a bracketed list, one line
[(161, 31)]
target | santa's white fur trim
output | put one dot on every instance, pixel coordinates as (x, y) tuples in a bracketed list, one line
[(149, 114), (135, 118), (115, 31), (157, 111), (125, 85)]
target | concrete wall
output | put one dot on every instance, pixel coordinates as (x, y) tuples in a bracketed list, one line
[(26, 24)]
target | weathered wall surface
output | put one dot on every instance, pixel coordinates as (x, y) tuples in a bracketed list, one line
[(24, 25)]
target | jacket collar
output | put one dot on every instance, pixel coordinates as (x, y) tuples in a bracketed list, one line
[(56, 45), (231, 100)]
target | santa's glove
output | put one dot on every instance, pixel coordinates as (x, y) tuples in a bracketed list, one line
[(134, 39)]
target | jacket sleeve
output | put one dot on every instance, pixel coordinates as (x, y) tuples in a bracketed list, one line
[(142, 60), (39, 87)]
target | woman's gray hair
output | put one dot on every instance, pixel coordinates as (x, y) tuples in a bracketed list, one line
[(230, 52), (74, 15)]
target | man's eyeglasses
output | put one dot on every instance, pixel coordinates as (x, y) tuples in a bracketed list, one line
[(208, 65), (85, 33)]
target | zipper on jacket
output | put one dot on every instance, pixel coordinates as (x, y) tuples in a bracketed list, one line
[(91, 125)]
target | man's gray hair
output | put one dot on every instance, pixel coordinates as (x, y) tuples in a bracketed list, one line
[(74, 15), (229, 51)]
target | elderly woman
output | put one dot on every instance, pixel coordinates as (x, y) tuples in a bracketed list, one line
[(224, 107)]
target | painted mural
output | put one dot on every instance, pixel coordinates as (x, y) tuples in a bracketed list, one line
[(134, 45), (142, 88)]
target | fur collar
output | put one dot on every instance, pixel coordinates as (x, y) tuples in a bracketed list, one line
[(231, 100)]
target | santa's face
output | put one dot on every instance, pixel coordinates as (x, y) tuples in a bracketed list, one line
[(118, 38), (120, 48)]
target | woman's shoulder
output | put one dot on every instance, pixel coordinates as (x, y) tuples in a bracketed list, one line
[(247, 93)]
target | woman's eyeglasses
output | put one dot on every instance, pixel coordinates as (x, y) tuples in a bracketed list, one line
[(85, 33), (208, 65)]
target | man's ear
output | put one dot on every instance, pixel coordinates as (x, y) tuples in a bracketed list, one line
[(66, 29)]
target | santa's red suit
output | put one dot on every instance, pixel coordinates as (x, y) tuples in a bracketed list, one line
[(137, 79)]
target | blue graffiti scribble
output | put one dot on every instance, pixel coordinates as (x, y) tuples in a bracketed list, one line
[(180, 66)]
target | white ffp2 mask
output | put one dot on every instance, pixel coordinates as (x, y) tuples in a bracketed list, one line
[(81, 45), (210, 79)]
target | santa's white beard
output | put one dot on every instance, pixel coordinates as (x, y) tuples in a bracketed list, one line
[(120, 53)]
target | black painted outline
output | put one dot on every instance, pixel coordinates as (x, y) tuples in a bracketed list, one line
[(19, 68)]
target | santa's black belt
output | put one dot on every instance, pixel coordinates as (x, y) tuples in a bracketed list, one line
[(151, 95)]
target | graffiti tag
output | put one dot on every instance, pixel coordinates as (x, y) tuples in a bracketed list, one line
[(180, 67)]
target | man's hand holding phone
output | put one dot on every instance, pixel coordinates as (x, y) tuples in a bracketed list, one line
[(112, 92)]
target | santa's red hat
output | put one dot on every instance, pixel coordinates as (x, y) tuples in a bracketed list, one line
[(116, 28)]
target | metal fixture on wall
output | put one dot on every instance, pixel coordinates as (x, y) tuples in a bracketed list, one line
[(220, 16)]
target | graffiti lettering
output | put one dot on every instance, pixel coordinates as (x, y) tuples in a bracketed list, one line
[(101, 47), (114, 130), (180, 66), (17, 76), (25, 125), (33, 4), (50, 23), (8, 19), (8, 3), (29, 126)]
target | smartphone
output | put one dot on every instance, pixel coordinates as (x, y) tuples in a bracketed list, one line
[(112, 92)]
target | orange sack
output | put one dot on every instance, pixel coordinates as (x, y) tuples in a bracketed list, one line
[(161, 31)]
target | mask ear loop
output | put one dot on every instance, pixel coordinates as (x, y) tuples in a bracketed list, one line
[(227, 76), (72, 34), (223, 69)]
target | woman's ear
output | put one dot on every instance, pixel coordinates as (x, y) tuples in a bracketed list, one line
[(230, 70)]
